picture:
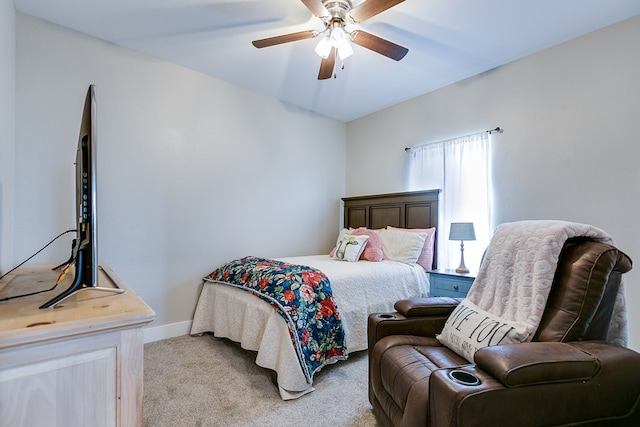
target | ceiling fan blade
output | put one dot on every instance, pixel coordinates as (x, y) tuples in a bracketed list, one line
[(286, 38), (379, 45), (317, 8), (326, 66), (369, 8)]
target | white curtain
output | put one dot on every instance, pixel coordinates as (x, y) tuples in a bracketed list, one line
[(461, 167)]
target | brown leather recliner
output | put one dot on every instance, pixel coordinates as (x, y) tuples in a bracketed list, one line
[(568, 375)]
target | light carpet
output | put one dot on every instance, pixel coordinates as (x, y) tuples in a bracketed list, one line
[(207, 381)]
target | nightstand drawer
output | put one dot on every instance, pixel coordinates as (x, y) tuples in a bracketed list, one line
[(448, 285)]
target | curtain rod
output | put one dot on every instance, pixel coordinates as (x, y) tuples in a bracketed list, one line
[(490, 131)]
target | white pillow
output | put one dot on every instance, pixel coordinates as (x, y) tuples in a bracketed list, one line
[(426, 256), (350, 247), (470, 328), (402, 246)]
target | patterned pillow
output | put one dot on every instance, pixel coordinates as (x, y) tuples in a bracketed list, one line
[(470, 328), (373, 248), (349, 247), (426, 256), (340, 235)]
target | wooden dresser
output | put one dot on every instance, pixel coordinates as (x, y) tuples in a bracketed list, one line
[(78, 364)]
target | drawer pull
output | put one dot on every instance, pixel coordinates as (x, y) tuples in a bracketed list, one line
[(455, 287)]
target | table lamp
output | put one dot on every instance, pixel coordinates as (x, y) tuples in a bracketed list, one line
[(462, 231)]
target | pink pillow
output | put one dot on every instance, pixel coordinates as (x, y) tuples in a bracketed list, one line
[(426, 256), (373, 250)]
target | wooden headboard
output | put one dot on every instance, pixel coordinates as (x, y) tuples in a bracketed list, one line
[(414, 209)]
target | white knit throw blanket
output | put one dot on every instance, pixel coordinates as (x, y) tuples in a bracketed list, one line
[(517, 272)]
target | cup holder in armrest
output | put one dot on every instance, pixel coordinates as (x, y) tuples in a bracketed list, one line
[(386, 316), (463, 377)]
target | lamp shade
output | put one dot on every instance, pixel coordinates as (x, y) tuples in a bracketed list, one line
[(462, 231)]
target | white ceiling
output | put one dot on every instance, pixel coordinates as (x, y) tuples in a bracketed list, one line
[(448, 40)]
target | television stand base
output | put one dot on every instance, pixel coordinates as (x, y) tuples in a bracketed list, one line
[(78, 286)]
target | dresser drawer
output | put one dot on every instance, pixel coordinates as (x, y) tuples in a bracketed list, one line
[(447, 285)]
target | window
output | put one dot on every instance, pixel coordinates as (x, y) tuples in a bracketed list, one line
[(461, 167)]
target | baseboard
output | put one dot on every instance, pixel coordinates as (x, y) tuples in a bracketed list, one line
[(170, 330)]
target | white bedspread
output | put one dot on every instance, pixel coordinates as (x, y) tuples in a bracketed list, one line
[(359, 288)]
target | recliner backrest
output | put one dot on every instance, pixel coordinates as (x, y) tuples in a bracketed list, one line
[(583, 293)]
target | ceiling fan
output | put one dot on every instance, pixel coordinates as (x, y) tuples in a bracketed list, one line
[(336, 14)]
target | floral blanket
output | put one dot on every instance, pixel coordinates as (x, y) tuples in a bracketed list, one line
[(302, 296)]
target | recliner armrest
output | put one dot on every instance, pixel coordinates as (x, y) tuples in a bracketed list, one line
[(616, 382), (536, 363), (430, 306), (416, 316)]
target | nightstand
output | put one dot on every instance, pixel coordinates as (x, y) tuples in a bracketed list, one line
[(448, 283)]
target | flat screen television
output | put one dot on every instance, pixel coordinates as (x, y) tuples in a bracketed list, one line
[(85, 245)]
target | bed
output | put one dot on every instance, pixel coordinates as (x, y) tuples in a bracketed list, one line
[(359, 288)]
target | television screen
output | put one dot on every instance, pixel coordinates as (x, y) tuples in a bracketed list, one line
[(86, 186), (85, 250)]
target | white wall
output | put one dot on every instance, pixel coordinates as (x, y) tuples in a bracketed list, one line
[(192, 171), (7, 100), (570, 148)]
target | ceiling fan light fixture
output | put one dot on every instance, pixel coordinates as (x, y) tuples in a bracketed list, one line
[(344, 49), (324, 47), (340, 40), (338, 34)]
